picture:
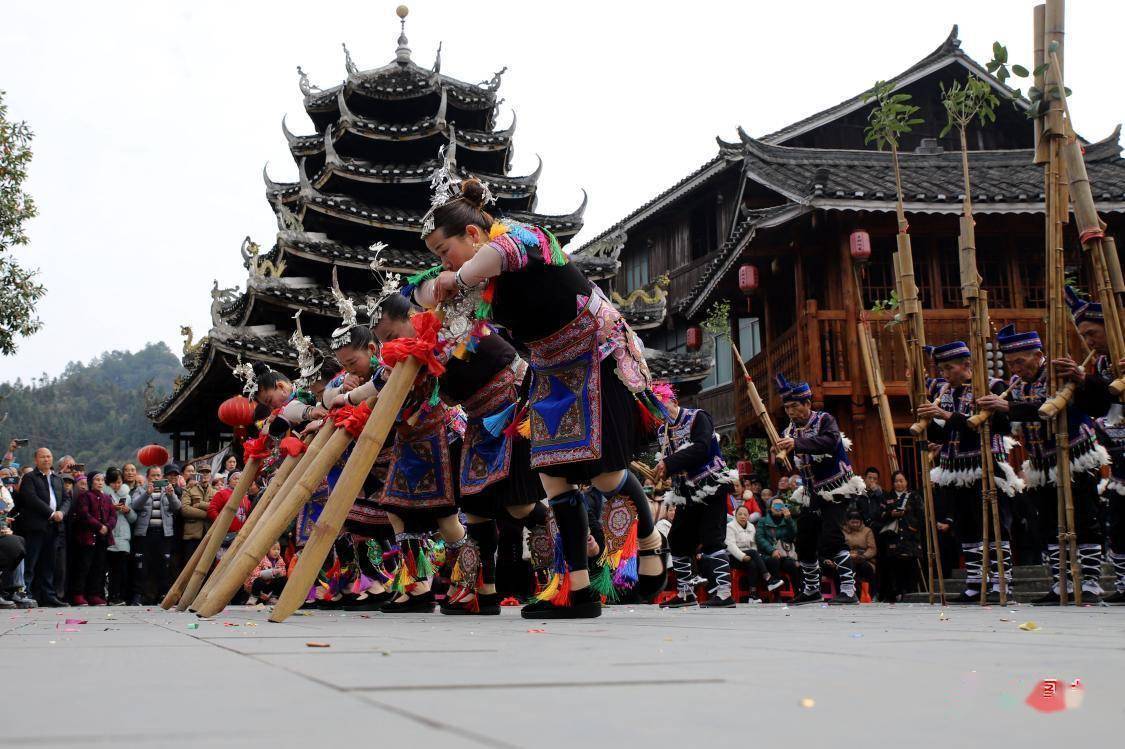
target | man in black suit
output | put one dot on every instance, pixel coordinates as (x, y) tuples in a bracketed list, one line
[(42, 505)]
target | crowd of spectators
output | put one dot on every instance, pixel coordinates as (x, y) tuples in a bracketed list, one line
[(69, 536)]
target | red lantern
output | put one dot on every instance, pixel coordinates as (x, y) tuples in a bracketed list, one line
[(153, 455), (745, 469), (236, 411), (695, 338), (748, 279), (860, 243)]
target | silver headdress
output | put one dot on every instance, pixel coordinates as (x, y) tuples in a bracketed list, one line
[(446, 187), (308, 359), (245, 371), (346, 307), (390, 284)]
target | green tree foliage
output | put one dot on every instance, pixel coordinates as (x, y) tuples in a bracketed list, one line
[(18, 289), (891, 118), (95, 411)]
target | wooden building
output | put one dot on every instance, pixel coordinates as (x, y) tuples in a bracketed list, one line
[(787, 204)]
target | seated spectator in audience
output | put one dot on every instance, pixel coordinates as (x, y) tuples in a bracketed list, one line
[(775, 535), (117, 555), (868, 504), (766, 498), (751, 490), (219, 500), (268, 578), (899, 540), (664, 520), (861, 543), (94, 519), (743, 551)]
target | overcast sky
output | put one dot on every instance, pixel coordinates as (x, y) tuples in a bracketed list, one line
[(152, 120)]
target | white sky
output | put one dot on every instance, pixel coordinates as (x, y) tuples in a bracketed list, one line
[(152, 119)]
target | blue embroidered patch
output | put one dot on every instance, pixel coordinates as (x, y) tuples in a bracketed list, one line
[(555, 405)]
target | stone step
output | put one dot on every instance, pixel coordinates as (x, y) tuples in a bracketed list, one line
[(1029, 572)]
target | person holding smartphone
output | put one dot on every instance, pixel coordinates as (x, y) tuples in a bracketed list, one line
[(156, 505)]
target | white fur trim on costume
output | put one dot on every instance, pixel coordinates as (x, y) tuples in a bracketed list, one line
[(1010, 483), (800, 496), (1089, 462), (1009, 443), (1111, 484), (851, 488), (847, 442)]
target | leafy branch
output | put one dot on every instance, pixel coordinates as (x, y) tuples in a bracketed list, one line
[(964, 103), (717, 322), (1000, 67), (891, 118)]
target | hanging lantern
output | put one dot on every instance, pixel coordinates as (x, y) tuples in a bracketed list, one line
[(695, 338), (153, 455), (748, 279), (860, 243), (236, 411)]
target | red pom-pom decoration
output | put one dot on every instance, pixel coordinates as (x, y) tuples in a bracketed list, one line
[(292, 446), (153, 455), (236, 411)]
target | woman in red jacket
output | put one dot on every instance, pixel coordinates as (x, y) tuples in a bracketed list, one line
[(95, 517)]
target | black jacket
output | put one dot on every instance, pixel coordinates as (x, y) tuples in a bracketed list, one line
[(33, 502)]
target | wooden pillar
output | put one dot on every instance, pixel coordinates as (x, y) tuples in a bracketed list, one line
[(851, 310)]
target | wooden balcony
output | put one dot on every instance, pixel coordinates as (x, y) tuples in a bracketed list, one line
[(819, 349)]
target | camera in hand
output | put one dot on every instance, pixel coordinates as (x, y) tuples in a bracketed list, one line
[(160, 483), (22, 441)]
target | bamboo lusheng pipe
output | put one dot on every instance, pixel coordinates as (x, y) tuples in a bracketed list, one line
[(218, 532), (260, 509), (919, 427), (1051, 407), (758, 408), (348, 486), (985, 414), (1042, 155), (323, 452), (1113, 264), (643, 470), (878, 390)]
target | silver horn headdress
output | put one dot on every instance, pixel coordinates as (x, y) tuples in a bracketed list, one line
[(347, 310), (446, 186), (309, 360), (390, 284), (245, 372)]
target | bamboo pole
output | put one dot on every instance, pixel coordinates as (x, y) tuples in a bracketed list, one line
[(325, 449), (172, 597), (869, 354), (985, 414), (218, 532), (758, 408), (260, 509), (335, 511), (1060, 400)]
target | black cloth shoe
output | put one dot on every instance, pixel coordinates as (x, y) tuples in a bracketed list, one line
[(679, 602), (1093, 599), (649, 586), (1050, 598), (994, 595), (370, 602), (965, 598), (843, 600), (584, 604), (714, 602), (6, 604), (135, 601), (803, 597), (423, 604), (53, 603), (1116, 599), (483, 604)]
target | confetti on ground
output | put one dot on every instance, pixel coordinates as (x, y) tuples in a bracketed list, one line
[(230, 624), (1052, 696), (1029, 626), (75, 621), (51, 642), (1005, 620), (856, 635), (317, 645), (71, 629), (943, 617), (251, 624), (536, 631), (193, 625), (808, 702)]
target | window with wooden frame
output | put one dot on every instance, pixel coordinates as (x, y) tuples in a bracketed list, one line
[(1034, 283), (704, 228), (634, 270)]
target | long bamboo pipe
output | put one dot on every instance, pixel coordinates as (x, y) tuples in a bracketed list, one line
[(260, 509), (1051, 407), (325, 449), (758, 407), (985, 414), (218, 532), (348, 486), (172, 597)]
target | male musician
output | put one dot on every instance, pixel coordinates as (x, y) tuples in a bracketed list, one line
[(1023, 355), (1095, 398), (820, 453), (957, 475), (690, 456)]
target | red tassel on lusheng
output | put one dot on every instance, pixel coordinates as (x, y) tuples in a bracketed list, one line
[(292, 446), (648, 421)]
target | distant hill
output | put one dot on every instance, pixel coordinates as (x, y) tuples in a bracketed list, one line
[(95, 411)]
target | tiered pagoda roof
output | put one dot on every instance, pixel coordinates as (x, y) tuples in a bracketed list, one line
[(362, 176)]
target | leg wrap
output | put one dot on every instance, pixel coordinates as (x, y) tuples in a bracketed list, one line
[(994, 565), (810, 577), (465, 557), (570, 515), (681, 565), (716, 567), (487, 539), (1090, 560), (1053, 565), (974, 566), (847, 573), (1118, 560)]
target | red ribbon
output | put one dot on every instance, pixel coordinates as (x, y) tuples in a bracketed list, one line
[(341, 414), (257, 448), (292, 447), (356, 419), (423, 347)]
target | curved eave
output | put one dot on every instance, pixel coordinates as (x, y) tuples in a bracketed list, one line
[(400, 261), (677, 368), (472, 140)]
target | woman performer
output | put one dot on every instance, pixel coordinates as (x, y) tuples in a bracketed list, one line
[(494, 473), (589, 373)]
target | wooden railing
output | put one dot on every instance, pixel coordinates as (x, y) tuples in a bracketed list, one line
[(718, 402), (816, 349)]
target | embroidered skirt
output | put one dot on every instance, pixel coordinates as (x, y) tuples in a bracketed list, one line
[(421, 475)]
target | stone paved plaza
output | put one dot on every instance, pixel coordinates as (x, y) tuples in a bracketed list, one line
[(637, 677)]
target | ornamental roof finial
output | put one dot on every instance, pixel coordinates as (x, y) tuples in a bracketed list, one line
[(402, 54)]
